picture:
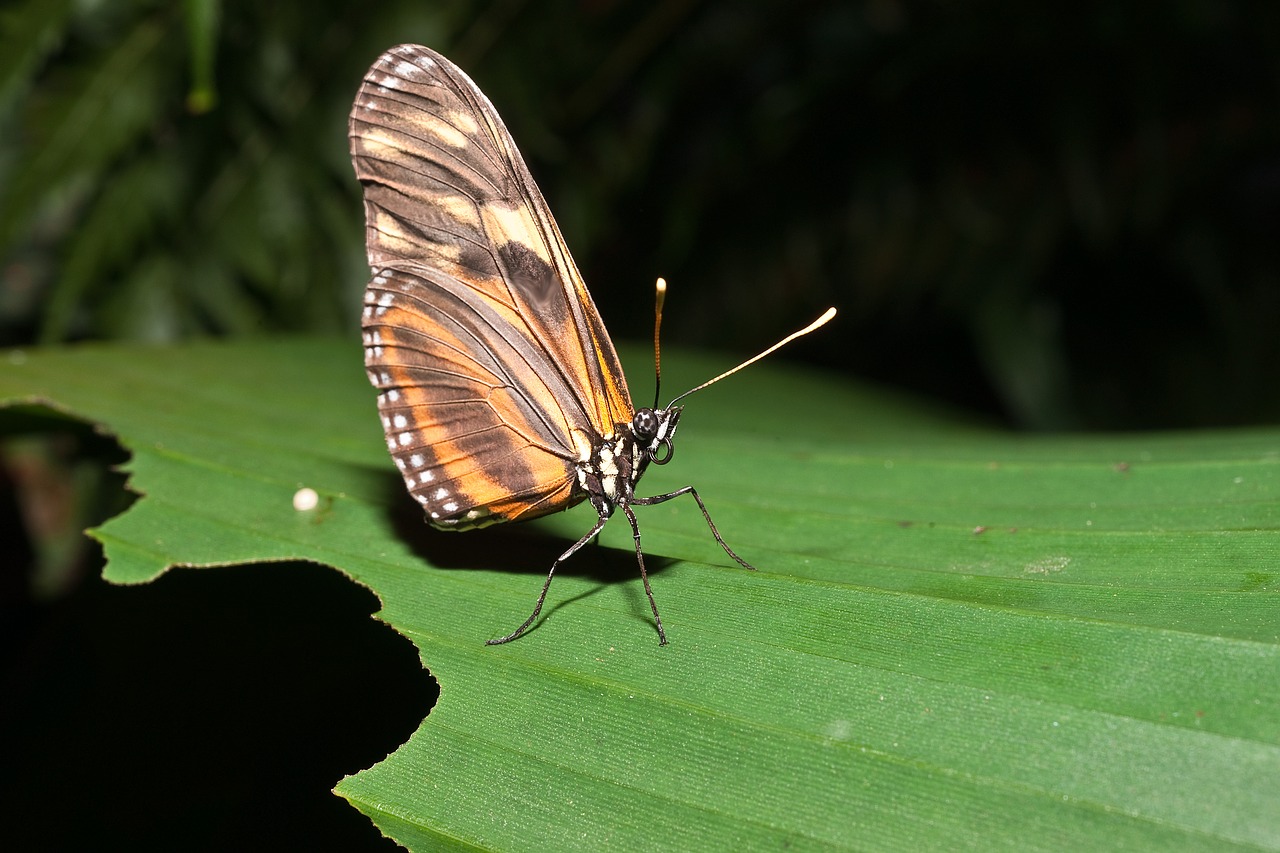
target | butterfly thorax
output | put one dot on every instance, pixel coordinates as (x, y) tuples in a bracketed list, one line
[(609, 475)]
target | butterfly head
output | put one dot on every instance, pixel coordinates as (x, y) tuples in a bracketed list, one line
[(654, 430)]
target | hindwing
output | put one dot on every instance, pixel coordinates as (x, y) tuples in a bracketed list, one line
[(468, 404)]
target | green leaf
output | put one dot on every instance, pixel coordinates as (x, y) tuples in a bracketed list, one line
[(116, 226), (29, 32), (203, 19), (957, 637), (94, 115)]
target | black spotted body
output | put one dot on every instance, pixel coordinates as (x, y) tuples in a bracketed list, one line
[(609, 476)]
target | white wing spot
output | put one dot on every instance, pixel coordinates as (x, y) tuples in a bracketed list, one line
[(400, 421), (416, 460), (393, 395), (450, 507), (405, 438), (400, 463), (426, 477), (386, 299), (442, 493)]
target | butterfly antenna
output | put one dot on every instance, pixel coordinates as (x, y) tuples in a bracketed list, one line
[(816, 324), (657, 347)]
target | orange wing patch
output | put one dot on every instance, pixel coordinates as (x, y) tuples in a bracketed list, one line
[(474, 429)]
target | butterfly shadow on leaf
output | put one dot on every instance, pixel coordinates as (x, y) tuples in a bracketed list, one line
[(521, 548)]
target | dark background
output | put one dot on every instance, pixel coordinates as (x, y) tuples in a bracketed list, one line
[(1058, 216)]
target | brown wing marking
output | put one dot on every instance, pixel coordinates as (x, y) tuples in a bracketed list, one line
[(446, 185)]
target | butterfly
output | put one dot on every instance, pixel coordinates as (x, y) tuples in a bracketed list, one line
[(500, 393)]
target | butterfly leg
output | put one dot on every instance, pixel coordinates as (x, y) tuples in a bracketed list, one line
[(537, 608), (644, 576), (690, 490)]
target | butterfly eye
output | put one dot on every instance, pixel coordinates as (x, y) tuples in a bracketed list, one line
[(645, 425)]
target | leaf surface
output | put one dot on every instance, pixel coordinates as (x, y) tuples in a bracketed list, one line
[(957, 637)]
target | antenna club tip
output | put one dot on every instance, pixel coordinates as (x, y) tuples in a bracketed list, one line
[(818, 323), (827, 315), (662, 285)]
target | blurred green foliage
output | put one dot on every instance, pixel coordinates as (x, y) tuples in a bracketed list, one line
[(1062, 215)]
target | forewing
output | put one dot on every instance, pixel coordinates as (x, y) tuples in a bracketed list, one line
[(446, 186), (469, 404)]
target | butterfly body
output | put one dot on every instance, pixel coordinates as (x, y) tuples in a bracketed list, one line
[(500, 393)]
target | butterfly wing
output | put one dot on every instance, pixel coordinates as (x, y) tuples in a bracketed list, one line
[(446, 185), (495, 369)]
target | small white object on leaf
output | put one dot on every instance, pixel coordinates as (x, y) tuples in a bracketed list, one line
[(305, 499)]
